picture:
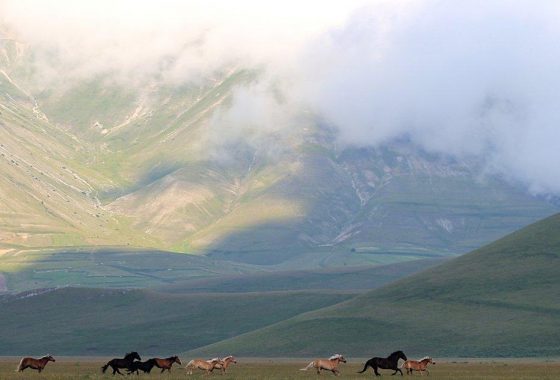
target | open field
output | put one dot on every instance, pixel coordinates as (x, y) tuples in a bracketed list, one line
[(89, 368)]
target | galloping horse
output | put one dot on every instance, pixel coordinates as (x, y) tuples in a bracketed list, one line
[(385, 363), (115, 364), (224, 363), (329, 364), (145, 367), (205, 365), (165, 364), (420, 365), (38, 364)]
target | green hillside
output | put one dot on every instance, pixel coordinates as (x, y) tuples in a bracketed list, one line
[(80, 321), (500, 300), (347, 278), (108, 268)]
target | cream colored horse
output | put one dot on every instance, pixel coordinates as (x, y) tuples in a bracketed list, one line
[(330, 364), (418, 365), (224, 363), (205, 365)]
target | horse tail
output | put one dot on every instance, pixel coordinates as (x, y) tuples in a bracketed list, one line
[(365, 367), (104, 368), (308, 366), (20, 366)]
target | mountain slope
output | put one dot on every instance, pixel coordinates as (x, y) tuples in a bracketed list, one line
[(97, 162), (500, 300)]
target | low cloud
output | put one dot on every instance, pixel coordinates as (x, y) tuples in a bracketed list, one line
[(463, 78)]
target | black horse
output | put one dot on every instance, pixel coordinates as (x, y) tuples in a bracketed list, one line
[(145, 367), (385, 363), (115, 364)]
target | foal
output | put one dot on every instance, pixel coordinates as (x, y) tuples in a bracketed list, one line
[(330, 364), (38, 364)]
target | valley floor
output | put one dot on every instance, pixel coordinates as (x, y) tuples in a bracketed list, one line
[(272, 369)]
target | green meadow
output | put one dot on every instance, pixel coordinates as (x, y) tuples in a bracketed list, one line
[(89, 368)]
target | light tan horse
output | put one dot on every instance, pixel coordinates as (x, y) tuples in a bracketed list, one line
[(330, 364), (205, 365), (38, 364), (224, 363), (420, 365)]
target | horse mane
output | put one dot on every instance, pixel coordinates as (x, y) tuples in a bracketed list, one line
[(425, 358), (335, 356), (396, 353), (228, 357)]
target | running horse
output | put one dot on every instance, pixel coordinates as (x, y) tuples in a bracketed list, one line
[(205, 365), (165, 364), (390, 362), (330, 364), (38, 364), (420, 365), (224, 363), (145, 367), (126, 362)]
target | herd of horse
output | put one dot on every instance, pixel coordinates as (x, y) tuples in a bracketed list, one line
[(133, 363)]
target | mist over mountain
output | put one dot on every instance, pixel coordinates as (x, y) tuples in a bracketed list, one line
[(368, 132)]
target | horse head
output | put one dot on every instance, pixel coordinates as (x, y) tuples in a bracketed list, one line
[(176, 360), (399, 355), (338, 357), (230, 359), (132, 355), (49, 358)]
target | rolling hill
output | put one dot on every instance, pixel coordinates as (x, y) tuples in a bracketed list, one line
[(498, 301), (81, 321)]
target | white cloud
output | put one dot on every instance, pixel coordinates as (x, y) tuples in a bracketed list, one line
[(458, 77)]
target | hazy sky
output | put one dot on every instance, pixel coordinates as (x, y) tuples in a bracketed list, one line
[(462, 78)]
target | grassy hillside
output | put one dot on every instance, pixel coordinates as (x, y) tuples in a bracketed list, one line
[(350, 278), (108, 268), (81, 321), (500, 300)]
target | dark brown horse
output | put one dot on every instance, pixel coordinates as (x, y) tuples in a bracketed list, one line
[(145, 367), (165, 364), (390, 362), (38, 364), (126, 362)]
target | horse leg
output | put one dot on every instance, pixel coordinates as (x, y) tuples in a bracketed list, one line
[(375, 371)]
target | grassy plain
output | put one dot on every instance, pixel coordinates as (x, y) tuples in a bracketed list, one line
[(89, 368)]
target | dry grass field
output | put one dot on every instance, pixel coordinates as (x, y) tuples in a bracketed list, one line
[(89, 368)]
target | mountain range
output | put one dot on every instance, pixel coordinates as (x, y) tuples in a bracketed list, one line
[(96, 163)]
